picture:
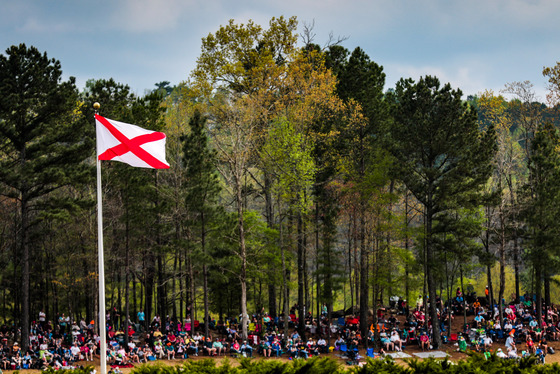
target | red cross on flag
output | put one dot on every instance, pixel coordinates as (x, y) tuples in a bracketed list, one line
[(130, 144)]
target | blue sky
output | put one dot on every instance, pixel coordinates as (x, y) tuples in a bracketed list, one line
[(474, 45)]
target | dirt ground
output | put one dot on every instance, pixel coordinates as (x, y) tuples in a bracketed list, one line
[(449, 348)]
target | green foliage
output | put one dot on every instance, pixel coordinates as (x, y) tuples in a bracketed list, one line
[(288, 154), (474, 364), (84, 370), (387, 366), (443, 159)]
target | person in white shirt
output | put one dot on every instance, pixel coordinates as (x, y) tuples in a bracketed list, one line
[(487, 340), (500, 353), (322, 344), (122, 356), (75, 350), (42, 318), (512, 353), (396, 340)]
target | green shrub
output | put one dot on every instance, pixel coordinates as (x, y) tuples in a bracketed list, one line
[(474, 364)]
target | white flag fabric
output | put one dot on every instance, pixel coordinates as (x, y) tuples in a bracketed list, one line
[(130, 144)]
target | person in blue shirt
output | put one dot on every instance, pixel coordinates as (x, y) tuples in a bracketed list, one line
[(247, 349), (479, 320), (540, 354), (276, 348), (141, 318)]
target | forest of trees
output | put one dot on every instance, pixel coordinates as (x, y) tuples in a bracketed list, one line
[(297, 179)]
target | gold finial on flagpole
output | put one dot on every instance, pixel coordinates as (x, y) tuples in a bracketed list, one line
[(96, 106)]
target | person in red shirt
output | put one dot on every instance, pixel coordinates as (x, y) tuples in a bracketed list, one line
[(424, 341)]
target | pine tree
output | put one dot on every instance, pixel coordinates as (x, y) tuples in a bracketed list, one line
[(202, 188), (443, 157), (541, 208), (45, 139)]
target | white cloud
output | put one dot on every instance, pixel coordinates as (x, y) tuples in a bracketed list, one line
[(469, 78), (140, 16), (474, 45), (39, 25)]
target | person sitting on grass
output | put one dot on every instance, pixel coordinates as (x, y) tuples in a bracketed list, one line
[(543, 345), (339, 342), (235, 348), (303, 353), (265, 348), (478, 320), (170, 350), (112, 356), (462, 344), (192, 347), (122, 355), (276, 348), (312, 348), (396, 340), (247, 349), (182, 349), (530, 345), (26, 360), (538, 333), (424, 341), (133, 355), (158, 349), (386, 342), (487, 341), (552, 332), (75, 352), (292, 351), (500, 353), (149, 354), (322, 345), (540, 354), (209, 347), (219, 346)]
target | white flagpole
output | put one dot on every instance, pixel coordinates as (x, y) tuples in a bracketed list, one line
[(102, 321)]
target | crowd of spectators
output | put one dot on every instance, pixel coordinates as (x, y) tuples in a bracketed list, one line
[(66, 343)]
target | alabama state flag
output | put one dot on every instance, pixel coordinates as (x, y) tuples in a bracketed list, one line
[(130, 144)]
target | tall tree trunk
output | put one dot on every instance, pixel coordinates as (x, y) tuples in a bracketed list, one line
[(490, 289), (363, 275), (286, 300), (161, 304), (150, 271), (25, 275), (350, 243), (546, 292), (272, 307), (193, 295), (243, 257), (430, 276), (516, 270), (406, 247), (301, 277), (174, 284), (205, 275), (464, 297), (538, 293)]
